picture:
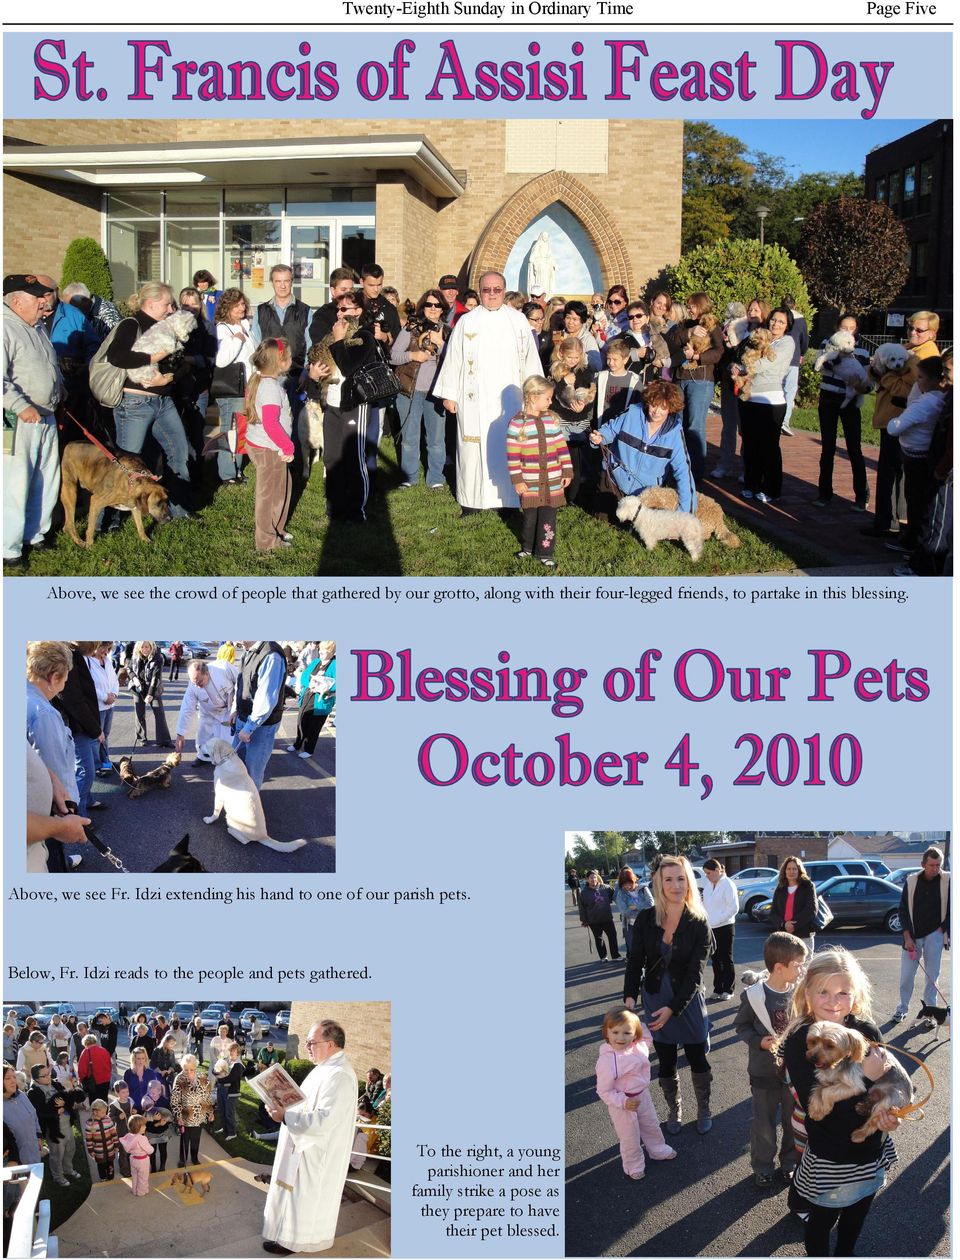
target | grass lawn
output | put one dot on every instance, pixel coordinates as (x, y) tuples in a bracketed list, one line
[(417, 533), (806, 418)]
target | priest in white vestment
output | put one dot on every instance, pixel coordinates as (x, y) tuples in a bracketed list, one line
[(210, 693), (491, 352), (313, 1150)]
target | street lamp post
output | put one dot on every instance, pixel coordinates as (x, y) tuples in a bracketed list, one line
[(762, 212)]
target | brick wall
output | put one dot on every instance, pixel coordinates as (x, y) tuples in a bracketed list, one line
[(40, 219), (807, 848), (366, 1024)]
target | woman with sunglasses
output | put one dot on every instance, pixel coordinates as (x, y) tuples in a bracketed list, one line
[(421, 343)]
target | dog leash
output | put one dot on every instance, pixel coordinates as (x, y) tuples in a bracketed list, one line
[(913, 1106), (130, 475), (934, 983)]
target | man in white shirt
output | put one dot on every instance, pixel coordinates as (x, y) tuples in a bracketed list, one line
[(209, 694), (721, 904)]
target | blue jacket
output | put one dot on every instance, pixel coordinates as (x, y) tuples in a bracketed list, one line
[(640, 462), (72, 335)]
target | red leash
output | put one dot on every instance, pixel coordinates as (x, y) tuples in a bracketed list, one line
[(131, 475)]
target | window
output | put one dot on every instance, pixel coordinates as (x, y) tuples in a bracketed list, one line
[(896, 190), (318, 200), (134, 251), (925, 190), (250, 249), (190, 247), (909, 190), (192, 201), (253, 203), (919, 256), (881, 192)]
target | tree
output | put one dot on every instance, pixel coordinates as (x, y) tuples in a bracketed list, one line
[(855, 255), (737, 270), (86, 262), (716, 175)]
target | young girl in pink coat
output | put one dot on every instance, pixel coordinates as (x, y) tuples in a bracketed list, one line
[(623, 1082), (137, 1146)]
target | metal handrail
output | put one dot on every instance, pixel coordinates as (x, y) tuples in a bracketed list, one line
[(29, 1241)]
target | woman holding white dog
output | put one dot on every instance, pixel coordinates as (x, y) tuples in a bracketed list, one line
[(836, 1179), (148, 410), (762, 416), (832, 411)]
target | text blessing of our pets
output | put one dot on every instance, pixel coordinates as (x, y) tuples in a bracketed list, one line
[(698, 675), (782, 70)]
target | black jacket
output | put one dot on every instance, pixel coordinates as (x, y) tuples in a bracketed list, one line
[(146, 675), (804, 908), (349, 359), (692, 942), (830, 1137), (77, 701), (595, 905)]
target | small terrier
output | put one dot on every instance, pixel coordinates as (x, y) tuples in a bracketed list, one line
[(838, 1053)]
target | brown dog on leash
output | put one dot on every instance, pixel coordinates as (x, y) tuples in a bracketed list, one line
[(199, 1181), (127, 485)]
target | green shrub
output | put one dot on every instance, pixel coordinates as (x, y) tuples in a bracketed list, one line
[(737, 270), (384, 1135), (86, 262), (809, 390), (299, 1069)]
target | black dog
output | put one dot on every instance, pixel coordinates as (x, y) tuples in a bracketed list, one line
[(940, 1014), (180, 861)]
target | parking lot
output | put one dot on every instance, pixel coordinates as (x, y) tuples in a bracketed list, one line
[(705, 1202)]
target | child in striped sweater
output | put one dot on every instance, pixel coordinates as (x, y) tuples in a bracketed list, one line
[(540, 469)]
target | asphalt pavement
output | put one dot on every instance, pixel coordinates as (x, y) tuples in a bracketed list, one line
[(298, 797), (704, 1202)]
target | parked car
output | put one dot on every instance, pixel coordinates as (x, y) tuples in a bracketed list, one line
[(754, 895), (49, 1009), (753, 875), (900, 876), (878, 868), (22, 1009), (212, 1018), (250, 1014), (192, 649), (282, 1019), (184, 1011), (855, 901)]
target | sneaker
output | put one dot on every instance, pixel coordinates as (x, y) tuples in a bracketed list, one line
[(73, 1174), (604, 958), (904, 570), (73, 861), (898, 1016), (548, 564), (821, 502), (292, 748), (437, 485), (861, 505), (721, 471), (786, 431), (637, 1176), (786, 1175), (762, 498), (746, 494), (902, 548), (523, 555), (305, 755), (286, 537), (763, 1180), (405, 485)]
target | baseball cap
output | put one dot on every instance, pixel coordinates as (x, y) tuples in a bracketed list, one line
[(24, 284), (537, 290), (448, 282)]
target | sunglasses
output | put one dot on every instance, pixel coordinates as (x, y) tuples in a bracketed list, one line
[(428, 305), (615, 302), (637, 315), (491, 290)]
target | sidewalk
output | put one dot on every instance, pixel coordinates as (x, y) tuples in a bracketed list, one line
[(831, 534), (225, 1222)]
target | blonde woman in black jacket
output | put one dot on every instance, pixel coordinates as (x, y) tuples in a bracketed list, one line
[(669, 947), (146, 683)]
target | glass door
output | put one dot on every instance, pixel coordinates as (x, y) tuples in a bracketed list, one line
[(307, 247)]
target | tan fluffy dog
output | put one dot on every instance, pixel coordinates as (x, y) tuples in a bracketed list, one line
[(758, 347), (126, 486), (838, 1053), (709, 513)]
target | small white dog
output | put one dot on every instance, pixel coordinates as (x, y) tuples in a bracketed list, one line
[(838, 355), (654, 526), (236, 792), (890, 357), (310, 433), (166, 334)]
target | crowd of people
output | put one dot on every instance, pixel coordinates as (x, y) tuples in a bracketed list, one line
[(71, 1085), (239, 696), (832, 1170), (539, 401)]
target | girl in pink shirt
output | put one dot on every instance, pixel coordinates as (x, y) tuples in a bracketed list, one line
[(137, 1146), (623, 1082)]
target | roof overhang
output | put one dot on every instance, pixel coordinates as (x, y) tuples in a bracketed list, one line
[(348, 159)]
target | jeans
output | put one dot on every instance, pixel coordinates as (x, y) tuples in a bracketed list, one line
[(228, 464), (255, 754), (422, 408), (929, 952), (106, 721), (791, 383), (31, 485), (88, 758), (140, 416), (697, 396)]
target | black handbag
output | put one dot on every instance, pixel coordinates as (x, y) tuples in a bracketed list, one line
[(374, 383), (229, 381)]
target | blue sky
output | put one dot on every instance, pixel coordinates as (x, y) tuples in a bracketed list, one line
[(817, 145)]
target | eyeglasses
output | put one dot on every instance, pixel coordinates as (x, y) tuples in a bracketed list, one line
[(491, 290)]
